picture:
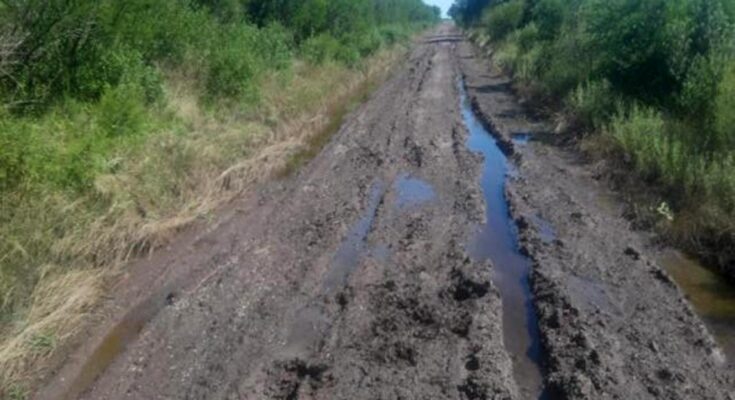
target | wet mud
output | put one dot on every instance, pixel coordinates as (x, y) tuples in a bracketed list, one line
[(612, 321), (388, 268), (497, 242)]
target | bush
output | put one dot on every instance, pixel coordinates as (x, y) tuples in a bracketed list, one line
[(592, 104), (724, 109), (13, 151), (274, 46), (393, 34), (233, 65), (655, 155), (319, 49), (122, 110), (549, 15), (503, 19), (526, 37)]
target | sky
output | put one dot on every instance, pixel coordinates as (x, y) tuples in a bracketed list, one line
[(444, 4)]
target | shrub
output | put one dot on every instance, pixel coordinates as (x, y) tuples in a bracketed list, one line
[(321, 48), (526, 37), (724, 110), (393, 33), (274, 46), (640, 131), (122, 110), (503, 19), (232, 65), (549, 15), (592, 104), (13, 150)]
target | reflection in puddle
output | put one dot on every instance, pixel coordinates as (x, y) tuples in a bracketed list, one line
[(521, 138), (412, 191), (711, 295), (497, 242), (310, 323)]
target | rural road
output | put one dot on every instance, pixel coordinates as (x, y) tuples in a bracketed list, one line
[(397, 265)]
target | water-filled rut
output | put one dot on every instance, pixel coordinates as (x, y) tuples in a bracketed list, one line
[(497, 242)]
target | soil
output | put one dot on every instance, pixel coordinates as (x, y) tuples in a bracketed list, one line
[(351, 279)]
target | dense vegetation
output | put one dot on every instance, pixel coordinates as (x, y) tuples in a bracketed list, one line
[(655, 77), (114, 114)]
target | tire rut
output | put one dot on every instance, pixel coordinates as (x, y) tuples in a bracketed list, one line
[(333, 291)]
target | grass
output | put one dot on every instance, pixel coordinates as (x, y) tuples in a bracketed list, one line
[(62, 250), (673, 141), (338, 110)]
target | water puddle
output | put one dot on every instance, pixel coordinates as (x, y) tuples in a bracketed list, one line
[(711, 295), (310, 323), (412, 191), (348, 254), (521, 138), (115, 342), (497, 241)]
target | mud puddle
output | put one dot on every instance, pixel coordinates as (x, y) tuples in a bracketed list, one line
[(348, 254), (310, 323), (497, 241), (521, 138), (711, 295), (115, 342), (412, 191)]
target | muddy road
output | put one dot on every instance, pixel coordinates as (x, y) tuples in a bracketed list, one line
[(435, 249)]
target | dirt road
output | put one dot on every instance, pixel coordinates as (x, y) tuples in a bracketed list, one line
[(357, 278)]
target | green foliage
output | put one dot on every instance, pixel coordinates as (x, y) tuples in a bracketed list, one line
[(549, 15), (122, 110), (724, 110), (641, 133), (503, 19), (318, 49), (593, 104), (394, 33), (658, 75), (233, 64)]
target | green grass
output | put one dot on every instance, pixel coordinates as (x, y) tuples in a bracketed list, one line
[(656, 78)]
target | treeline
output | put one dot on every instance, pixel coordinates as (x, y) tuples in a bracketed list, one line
[(50, 49), (657, 77), (113, 54)]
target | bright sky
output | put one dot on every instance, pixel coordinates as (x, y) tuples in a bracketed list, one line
[(444, 4)]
